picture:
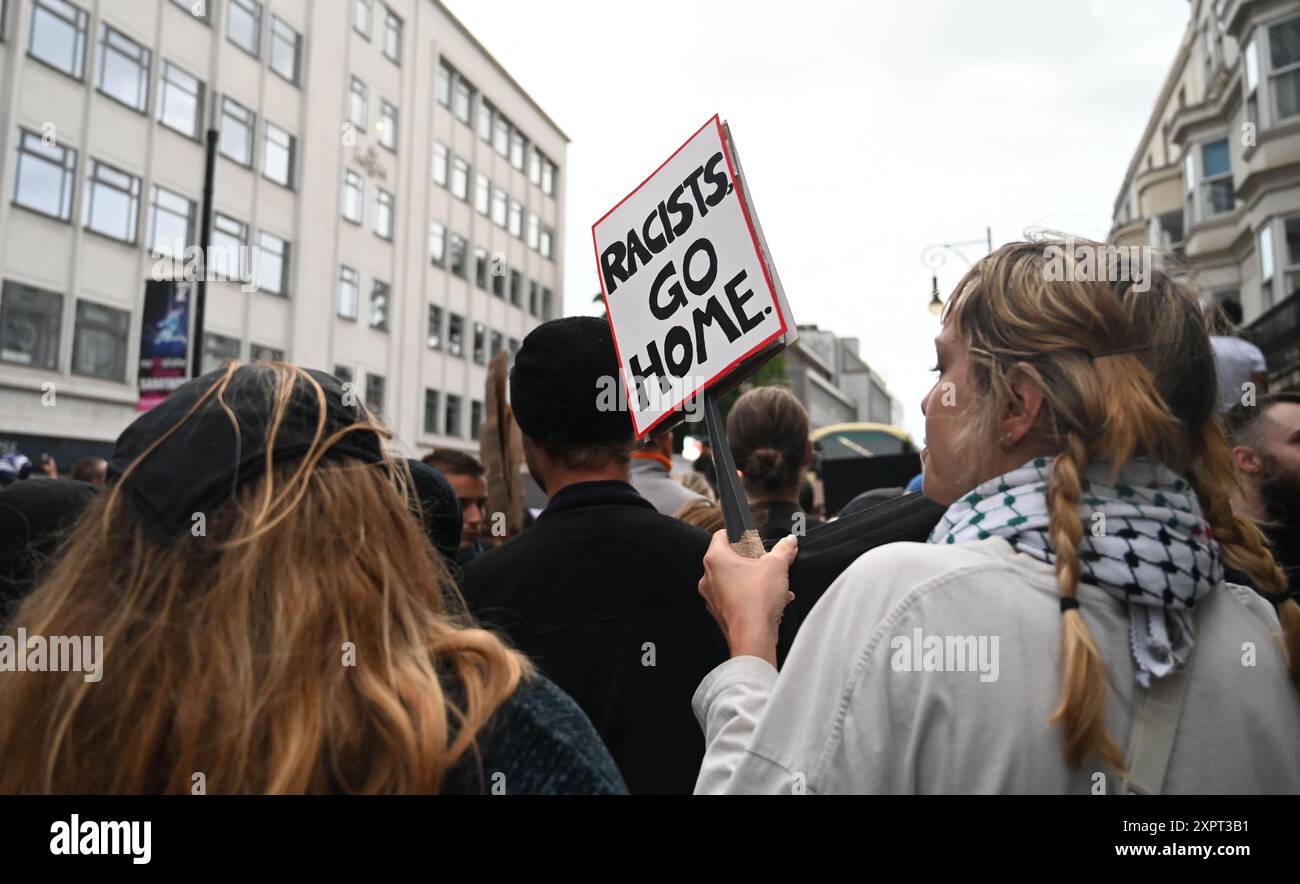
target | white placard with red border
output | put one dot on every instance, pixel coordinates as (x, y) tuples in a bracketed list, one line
[(685, 281)]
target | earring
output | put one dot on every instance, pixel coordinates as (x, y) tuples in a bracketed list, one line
[(1007, 444)]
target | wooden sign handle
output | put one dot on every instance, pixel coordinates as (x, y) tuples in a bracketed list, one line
[(750, 545)]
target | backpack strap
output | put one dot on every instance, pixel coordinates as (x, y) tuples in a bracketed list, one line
[(1155, 726)]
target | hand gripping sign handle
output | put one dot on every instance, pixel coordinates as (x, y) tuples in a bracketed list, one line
[(735, 508)]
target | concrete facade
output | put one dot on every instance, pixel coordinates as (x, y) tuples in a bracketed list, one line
[(70, 72)]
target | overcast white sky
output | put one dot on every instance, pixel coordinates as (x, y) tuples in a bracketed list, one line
[(867, 129)]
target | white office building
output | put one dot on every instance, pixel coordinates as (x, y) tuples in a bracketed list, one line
[(388, 204)]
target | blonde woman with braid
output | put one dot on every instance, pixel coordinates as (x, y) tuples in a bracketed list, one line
[(274, 618), (1073, 585)]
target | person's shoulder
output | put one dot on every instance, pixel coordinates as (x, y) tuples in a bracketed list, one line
[(906, 575), (1247, 603), (542, 742)]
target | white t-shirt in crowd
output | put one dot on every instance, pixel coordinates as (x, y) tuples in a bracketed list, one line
[(1236, 360)]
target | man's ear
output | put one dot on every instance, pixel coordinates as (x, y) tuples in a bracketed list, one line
[(1247, 460)]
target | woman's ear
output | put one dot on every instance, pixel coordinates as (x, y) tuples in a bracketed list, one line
[(1025, 406)]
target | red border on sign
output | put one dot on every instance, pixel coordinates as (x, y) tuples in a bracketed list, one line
[(767, 278)]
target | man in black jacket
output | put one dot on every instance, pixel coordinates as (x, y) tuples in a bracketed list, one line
[(602, 590)]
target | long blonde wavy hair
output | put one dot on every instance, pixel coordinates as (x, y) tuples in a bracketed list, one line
[(224, 655), (1156, 398)]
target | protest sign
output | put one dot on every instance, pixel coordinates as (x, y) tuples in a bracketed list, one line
[(686, 280)]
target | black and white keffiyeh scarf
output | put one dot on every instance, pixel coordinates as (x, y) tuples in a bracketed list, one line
[(1145, 541)]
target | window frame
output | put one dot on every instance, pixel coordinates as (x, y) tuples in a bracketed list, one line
[(350, 276), (251, 126), (93, 180), (166, 85), (258, 15), (155, 207), (432, 407), (385, 211), (81, 26), (349, 178), (387, 141), (389, 18), (49, 307), (379, 287), (67, 165), (276, 24), (124, 341), (143, 65), (291, 148), (285, 255)]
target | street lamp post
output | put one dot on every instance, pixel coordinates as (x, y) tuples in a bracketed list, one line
[(934, 255)]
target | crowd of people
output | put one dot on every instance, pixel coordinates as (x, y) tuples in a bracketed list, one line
[(1095, 579)]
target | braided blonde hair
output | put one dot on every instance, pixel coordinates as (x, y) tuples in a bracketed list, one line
[(1152, 395)]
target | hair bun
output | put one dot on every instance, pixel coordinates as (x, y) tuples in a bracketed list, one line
[(763, 462)]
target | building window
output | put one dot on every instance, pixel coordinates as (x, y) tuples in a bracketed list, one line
[(546, 305), (344, 374), (516, 287), (455, 335), (518, 146), (349, 291), (383, 213), (354, 195), (30, 319), (363, 13), (451, 418), (180, 100), (481, 267), (435, 327), (535, 166), (99, 341), (112, 202), (460, 178), (494, 344), (501, 135), (123, 69), (442, 84), (1284, 67), (229, 239), (375, 393), (244, 25), (545, 247), (202, 11), (482, 193), (480, 343), (1291, 240), (237, 123), (278, 152), (549, 173), (513, 348), (437, 244), (358, 97), (440, 163), (272, 264), (392, 36), (217, 349), (261, 353), (285, 46), (499, 281), (458, 255), (533, 298), (462, 100), (485, 114), (379, 305), (171, 217), (499, 207), (1216, 178), (1250, 80), (44, 176), (430, 411), (1264, 239), (387, 125), (58, 36), (534, 231), (516, 222), (475, 418)]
